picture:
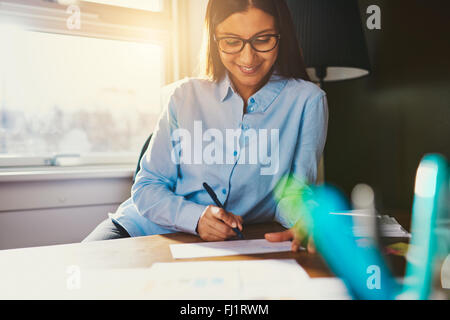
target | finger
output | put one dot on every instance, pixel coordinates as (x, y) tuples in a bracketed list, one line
[(213, 234), (311, 246), (239, 222), (221, 214), (295, 245), (211, 237), (219, 228), (218, 231), (279, 236), (212, 222)]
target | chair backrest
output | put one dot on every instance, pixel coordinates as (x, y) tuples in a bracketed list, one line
[(321, 172), (143, 150)]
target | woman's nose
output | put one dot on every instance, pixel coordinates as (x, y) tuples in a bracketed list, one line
[(247, 55)]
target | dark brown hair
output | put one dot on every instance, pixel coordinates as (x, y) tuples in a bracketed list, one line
[(289, 64)]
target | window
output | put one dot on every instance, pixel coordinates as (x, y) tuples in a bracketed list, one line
[(91, 92), (155, 5)]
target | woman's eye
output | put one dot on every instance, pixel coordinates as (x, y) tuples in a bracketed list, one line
[(232, 42), (262, 40)]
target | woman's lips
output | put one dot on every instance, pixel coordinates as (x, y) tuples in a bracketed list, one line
[(248, 70)]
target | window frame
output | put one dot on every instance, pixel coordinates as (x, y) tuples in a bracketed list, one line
[(97, 21)]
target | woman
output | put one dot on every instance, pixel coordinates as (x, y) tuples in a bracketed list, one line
[(260, 119)]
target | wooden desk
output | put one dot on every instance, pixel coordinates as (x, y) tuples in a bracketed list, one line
[(44, 272)]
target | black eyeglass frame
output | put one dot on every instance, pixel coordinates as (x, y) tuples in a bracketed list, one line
[(249, 41)]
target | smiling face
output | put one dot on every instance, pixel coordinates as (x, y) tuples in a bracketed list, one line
[(249, 68)]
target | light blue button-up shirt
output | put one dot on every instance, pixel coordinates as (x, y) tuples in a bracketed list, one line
[(203, 135)]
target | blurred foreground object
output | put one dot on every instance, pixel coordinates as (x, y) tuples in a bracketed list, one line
[(430, 228), (360, 262), (357, 261)]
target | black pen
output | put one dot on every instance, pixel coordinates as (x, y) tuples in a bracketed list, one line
[(216, 200)]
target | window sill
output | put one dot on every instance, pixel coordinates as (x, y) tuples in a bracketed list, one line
[(64, 173)]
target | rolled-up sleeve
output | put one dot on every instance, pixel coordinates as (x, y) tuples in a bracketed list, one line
[(309, 150), (153, 190)]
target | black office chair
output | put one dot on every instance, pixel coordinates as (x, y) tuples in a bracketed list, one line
[(144, 148)]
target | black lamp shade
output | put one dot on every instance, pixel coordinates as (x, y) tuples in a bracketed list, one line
[(332, 38)]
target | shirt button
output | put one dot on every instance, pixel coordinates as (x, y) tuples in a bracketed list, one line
[(224, 191), (252, 100), (245, 127), (235, 153)]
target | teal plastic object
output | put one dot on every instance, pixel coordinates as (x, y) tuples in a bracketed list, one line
[(430, 201), (357, 261)]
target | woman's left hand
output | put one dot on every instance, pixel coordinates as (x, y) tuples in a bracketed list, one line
[(294, 235)]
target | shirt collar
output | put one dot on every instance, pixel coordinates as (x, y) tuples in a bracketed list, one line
[(226, 87), (262, 99)]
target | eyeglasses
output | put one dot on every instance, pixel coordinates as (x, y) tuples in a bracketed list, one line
[(262, 43)]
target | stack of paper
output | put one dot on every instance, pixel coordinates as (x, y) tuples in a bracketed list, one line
[(389, 227)]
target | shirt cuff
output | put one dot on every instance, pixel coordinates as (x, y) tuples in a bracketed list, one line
[(287, 212), (188, 220), (285, 222)]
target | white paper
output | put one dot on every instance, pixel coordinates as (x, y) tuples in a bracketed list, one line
[(389, 227), (227, 248), (324, 289), (212, 280)]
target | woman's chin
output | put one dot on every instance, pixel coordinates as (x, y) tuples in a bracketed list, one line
[(249, 81)]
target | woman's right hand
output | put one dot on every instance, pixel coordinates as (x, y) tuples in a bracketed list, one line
[(215, 224)]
